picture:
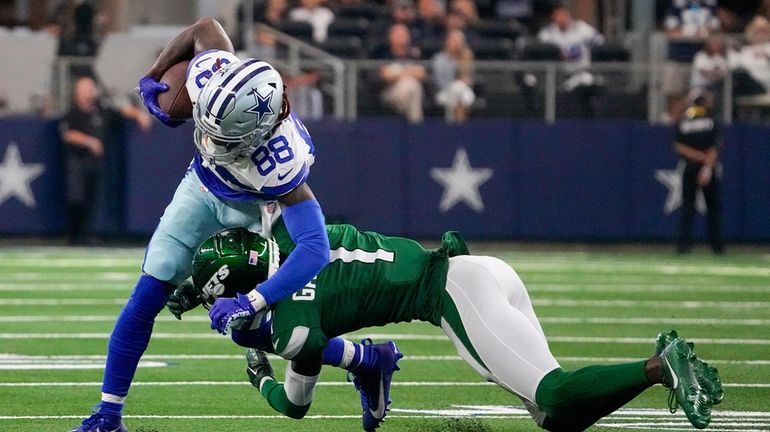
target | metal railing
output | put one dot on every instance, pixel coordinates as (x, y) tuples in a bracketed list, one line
[(294, 56), (351, 85)]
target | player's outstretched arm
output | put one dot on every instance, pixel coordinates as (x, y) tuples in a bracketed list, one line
[(294, 396), (305, 224)]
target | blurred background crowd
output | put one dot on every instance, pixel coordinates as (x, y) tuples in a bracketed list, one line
[(452, 59)]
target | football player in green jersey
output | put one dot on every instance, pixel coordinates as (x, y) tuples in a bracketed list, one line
[(478, 301)]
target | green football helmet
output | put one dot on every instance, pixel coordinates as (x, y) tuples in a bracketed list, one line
[(233, 261)]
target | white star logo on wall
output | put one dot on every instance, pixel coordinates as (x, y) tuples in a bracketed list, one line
[(16, 176), (672, 180), (461, 183)]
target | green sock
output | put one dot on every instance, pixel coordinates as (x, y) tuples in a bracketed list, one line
[(275, 395), (576, 400)]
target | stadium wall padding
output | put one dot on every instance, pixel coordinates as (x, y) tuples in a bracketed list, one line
[(571, 181)]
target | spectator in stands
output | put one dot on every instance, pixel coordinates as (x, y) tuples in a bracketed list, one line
[(429, 24), (691, 18), (456, 21), (751, 64), (83, 130), (687, 23), (735, 15), (453, 76), (401, 12), (465, 9), (710, 65), (316, 14), (270, 12), (306, 97), (575, 38), (403, 77), (75, 24), (709, 69)]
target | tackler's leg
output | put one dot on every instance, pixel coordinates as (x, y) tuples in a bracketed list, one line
[(503, 344)]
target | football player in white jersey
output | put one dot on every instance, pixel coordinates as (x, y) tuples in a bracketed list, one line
[(253, 158)]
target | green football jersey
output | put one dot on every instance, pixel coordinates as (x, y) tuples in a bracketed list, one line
[(371, 280)]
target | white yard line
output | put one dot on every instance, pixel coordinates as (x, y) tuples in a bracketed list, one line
[(548, 320), (559, 302), (386, 336), (6, 358), (321, 383), (620, 287)]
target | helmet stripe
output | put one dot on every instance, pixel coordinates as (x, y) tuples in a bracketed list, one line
[(235, 89), (227, 80)]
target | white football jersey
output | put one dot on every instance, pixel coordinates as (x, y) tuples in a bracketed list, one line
[(575, 43), (275, 168)]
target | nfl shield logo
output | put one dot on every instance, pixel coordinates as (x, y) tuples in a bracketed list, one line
[(253, 258), (270, 207)]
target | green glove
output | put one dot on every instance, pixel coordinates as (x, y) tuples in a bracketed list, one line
[(185, 297)]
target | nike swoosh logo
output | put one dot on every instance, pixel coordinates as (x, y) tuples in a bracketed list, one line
[(281, 177), (380, 413), (675, 384)]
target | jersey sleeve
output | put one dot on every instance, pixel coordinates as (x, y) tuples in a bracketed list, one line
[(202, 68)]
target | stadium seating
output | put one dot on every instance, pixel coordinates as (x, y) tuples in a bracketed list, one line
[(300, 30), (347, 47), (541, 52), (358, 27), (364, 10), (610, 52), (498, 48)]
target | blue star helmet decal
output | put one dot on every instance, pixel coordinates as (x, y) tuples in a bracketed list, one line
[(262, 106)]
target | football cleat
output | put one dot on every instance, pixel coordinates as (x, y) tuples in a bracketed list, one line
[(680, 377), (258, 367), (663, 340), (101, 423), (708, 377), (709, 380), (374, 385)]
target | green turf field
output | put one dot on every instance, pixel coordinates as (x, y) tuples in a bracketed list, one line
[(57, 308)]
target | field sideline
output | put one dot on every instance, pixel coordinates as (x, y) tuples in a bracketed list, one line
[(58, 305)]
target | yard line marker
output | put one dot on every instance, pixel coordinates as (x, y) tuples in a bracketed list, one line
[(547, 320), (17, 365), (21, 358), (560, 302), (54, 286), (644, 268), (385, 336), (655, 321), (321, 383), (687, 304), (621, 287), (86, 275), (62, 302)]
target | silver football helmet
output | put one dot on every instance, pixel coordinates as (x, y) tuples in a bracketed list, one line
[(236, 110)]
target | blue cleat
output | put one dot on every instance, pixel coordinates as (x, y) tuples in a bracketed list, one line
[(374, 386), (101, 423)]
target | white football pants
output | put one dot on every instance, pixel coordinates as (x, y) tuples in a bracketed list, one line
[(497, 316)]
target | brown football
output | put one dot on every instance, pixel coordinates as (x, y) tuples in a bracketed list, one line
[(176, 102)]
